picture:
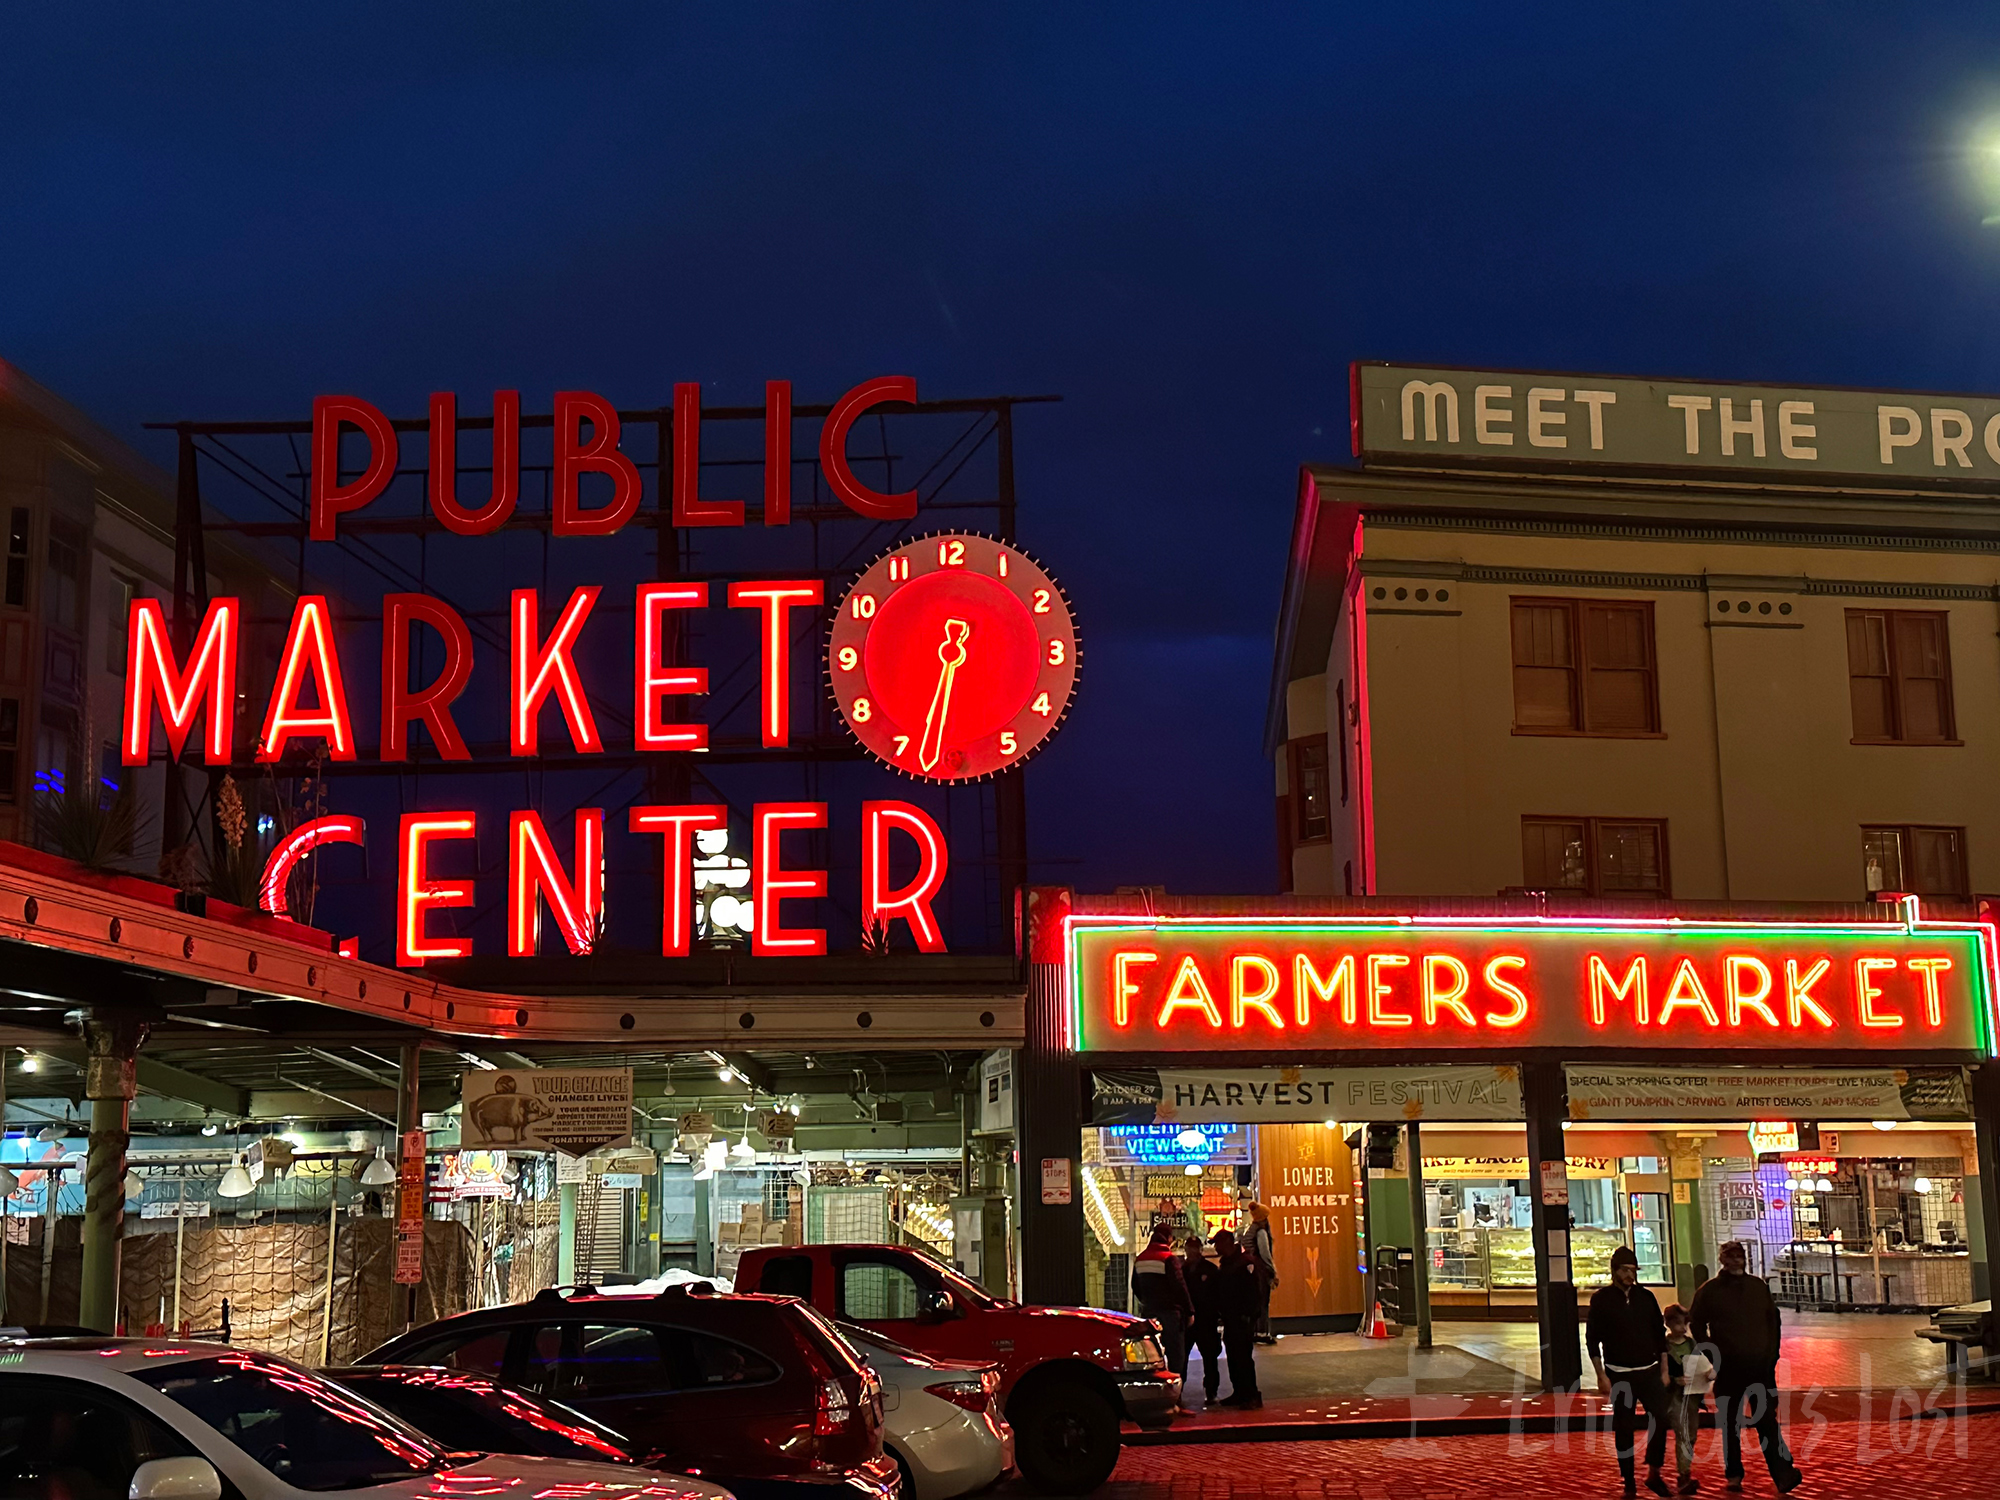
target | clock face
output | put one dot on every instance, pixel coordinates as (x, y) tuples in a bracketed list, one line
[(953, 657)]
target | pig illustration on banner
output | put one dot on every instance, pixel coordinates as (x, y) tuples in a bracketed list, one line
[(571, 1110)]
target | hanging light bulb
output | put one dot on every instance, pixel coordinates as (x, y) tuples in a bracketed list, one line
[(236, 1181), (1191, 1138), (1922, 1184), (134, 1184), (379, 1172), (797, 1106), (29, 1062), (211, 1128)]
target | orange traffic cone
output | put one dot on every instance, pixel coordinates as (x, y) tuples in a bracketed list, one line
[(1378, 1327)]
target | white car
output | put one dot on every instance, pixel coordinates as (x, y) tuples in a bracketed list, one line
[(940, 1418), (152, 1419)]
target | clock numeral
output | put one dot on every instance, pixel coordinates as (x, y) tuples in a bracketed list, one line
[(1041, 601), (1008, 744), (899, 569), (863, 710), (847, 658), (863, 607), (1041, 705), (951, 554), (1003, 565), (902, 744), (1055, 653)]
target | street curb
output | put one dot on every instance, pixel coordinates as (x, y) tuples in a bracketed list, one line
[(1537, 1423)]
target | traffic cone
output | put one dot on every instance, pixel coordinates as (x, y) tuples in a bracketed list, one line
[(1378, 1326)]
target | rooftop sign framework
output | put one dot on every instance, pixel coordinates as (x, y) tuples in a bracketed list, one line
[(1434, 416)]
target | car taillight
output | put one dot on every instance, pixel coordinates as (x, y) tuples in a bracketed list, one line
[(835, 1410), (974, 1392)]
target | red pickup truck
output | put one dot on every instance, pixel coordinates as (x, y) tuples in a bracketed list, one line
[(1068, 1374)]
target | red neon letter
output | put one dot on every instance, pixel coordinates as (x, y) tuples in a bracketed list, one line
[(689, 508), (309, 652), (677, 874), (1632, 987), (1798, 992), (432, 703), (1449, 996), (776, 601), (777, 453), (1929, 969), (444, 465), (600, 455), (416, 892), (1742, 998), (538, 670), (771, 883), (337, 829), (1513, 992), (913, 902), (1123, 990), (1378, 990), (1685, 991), (1189, 992), (652, 680), (855, 495), (153, 677), (1865, 993), (534, 873), (1307, 983), (330, 498), (1243, 999)]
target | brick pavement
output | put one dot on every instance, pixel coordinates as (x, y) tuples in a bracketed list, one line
[(1939, 1459)]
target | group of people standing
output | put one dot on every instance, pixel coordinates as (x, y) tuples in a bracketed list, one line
[(1664, 1362), (1221, 1304)]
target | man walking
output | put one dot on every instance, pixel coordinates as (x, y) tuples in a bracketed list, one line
[(1236, 1297), (1734, 1313), (1628, 1347), (1205, 1328)]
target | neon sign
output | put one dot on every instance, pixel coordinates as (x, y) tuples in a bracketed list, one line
[(983, 703), (1199, 984)]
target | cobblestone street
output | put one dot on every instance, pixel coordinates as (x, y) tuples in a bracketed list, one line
[(1933, 1458)]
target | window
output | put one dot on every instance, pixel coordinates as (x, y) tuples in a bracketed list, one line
[(17, 557), (66, 1437), (483, 1352), (1310, 805), (123, 591), (874, 1289), (10, 746), (792, 1275), (1584, 667), (607, 1361), (1921, 861), (1899, 676), (1340, 723), (62, 601), (617, 1360), (1595, 856)]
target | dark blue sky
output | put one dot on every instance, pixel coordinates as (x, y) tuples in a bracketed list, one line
[(1187, 220)]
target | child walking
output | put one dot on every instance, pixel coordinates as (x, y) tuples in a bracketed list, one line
[(1688, 1378)]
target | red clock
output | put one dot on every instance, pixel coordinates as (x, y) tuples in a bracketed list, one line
[(953, 657)]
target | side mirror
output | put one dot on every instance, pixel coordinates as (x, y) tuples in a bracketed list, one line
[(935, 1306), (175, 1479)]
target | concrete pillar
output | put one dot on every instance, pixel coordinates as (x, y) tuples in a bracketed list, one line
[(1983, 1232), (1048, 1114), (110, 1080), (1545, 1092)]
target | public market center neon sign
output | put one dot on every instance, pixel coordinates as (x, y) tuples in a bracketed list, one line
[(309, 698), (1202, 986)]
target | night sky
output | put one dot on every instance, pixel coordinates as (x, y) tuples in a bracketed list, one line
[(1186, 220)]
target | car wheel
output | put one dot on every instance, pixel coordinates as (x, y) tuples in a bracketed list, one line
[(909, 1489), (1066, 1440)]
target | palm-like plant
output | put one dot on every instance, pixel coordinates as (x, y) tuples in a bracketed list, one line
[(89, 822)]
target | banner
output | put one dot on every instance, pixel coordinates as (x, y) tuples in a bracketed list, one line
[(1144, 1096), (1640, 1094), (1512, 1168), (571, 1110)]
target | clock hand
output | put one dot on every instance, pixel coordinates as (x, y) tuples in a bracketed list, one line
[(951, 656)]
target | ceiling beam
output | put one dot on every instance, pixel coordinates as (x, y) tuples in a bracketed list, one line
[(171, 1082)]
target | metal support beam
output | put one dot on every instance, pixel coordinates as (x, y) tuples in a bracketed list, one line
[(1545, 1092), (111, 1079)]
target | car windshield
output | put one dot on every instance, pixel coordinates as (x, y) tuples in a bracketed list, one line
[(305, 1431), (471, 1411), (970, 1290)]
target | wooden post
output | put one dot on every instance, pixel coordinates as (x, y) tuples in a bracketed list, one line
[(332, 1238), (180, 1238)]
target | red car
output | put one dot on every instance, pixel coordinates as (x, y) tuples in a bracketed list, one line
[(742, 1390), (1068, 1374)]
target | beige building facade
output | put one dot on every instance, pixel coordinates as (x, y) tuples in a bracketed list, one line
[(1637, 686)]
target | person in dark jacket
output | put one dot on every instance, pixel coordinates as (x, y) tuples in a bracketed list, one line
[(1238, 1286), (1205, 1330), (1628, 1346), (1163, 1296), (1734, 1314)]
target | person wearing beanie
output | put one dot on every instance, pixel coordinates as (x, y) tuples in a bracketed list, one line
[(1735, 1316), (1628, 1347)]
